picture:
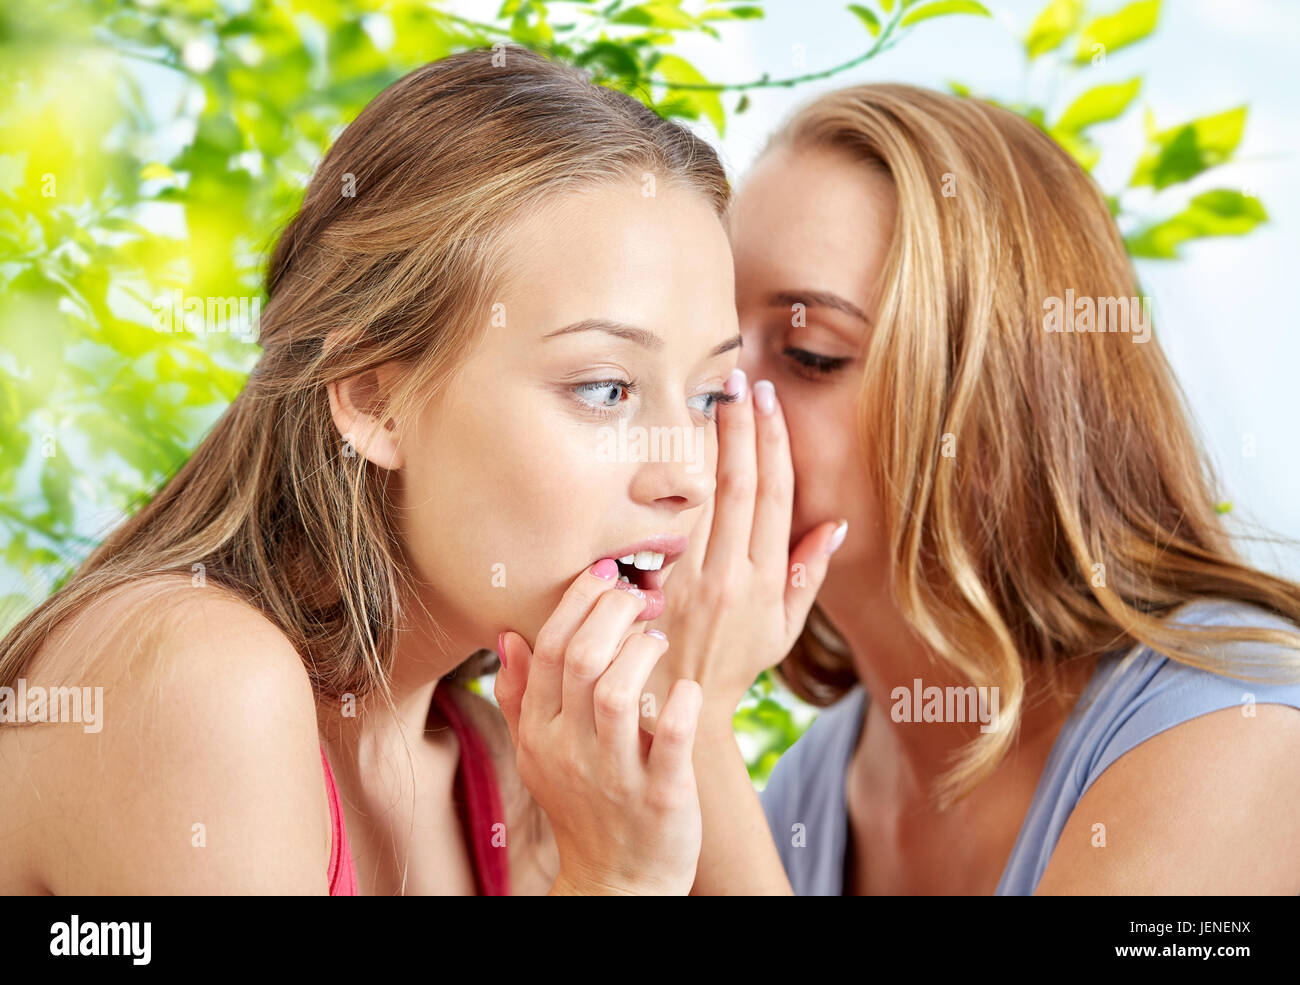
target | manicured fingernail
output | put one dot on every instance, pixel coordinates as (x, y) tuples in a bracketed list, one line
[(501, 649), (735, 383), (606, 568), (837, 538), (658, 633), (627, 586), (764, 396)]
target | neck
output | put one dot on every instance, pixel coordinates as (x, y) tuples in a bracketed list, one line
[(365, 732), (908, 756)]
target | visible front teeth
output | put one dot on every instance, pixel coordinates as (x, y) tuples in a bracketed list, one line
[(629, 559), (648, 560), (625, 579)]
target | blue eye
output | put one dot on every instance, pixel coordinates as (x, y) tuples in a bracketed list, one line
[(710, 409), (603, 394)]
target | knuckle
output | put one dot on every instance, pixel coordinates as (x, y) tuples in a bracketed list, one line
[(673, 731), (548, 648), (776, 487), (613, 701), (584, 662), (736, 485), (668, 797), (771, 437)]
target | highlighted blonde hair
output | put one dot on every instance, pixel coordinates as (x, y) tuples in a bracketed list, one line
[(1078, 511)]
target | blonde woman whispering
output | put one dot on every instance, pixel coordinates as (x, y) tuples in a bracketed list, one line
[(1044, 667)]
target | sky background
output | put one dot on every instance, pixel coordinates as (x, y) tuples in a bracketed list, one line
[(1224, 314)]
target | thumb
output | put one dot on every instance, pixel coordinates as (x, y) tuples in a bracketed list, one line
[(512, 678), (808, 563)]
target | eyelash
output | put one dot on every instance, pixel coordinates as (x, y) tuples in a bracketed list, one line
[(718, 397), (812, 364)]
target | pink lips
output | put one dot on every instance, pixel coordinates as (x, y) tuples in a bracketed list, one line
[(671, 546)]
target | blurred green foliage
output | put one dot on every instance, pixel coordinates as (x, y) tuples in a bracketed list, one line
[(1173, 156), (156, 147)]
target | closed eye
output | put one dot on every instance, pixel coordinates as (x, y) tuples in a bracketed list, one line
[(815, 361)]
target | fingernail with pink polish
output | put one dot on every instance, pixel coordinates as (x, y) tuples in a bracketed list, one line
[(837, 538), (735, 384), (501, 649), (605, 569), (765, 396), (657, 633)]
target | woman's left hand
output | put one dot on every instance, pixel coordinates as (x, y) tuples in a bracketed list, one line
[(738, 598)]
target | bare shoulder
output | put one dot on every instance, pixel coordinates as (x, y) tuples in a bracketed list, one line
[(1205, 807), (195, 765)]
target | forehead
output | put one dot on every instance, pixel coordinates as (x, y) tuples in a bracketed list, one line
[(614, 251), (811, 217)]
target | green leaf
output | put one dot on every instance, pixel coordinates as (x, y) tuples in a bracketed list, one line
[(661, 15), (1057, 21), (941, 7), (687, 102), (614, 59), (1221, 212), (56, 487), (746, 13), (867, 17), (1117, 30), (1079, 147), (1184, 151), (1098, 104)]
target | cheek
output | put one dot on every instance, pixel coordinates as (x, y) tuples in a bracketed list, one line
[(503, 507), (831, 469), (827, 473)]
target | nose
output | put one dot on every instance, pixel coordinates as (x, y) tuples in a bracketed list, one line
[(675, 466)]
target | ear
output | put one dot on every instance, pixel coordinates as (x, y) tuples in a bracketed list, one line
[(358, 406)]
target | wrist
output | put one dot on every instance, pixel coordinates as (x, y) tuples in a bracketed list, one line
[(574, 881), (718, 712), (716, 731)]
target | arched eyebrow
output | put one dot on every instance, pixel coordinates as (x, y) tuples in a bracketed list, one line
[(814, 299), (735, 342), (641, 336)]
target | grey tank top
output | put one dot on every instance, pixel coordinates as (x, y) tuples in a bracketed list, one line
[(1130, 698)]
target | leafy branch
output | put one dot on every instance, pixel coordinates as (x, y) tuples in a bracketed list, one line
[(1172, 157)]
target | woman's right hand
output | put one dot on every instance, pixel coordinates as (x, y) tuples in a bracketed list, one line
[(622, 803)]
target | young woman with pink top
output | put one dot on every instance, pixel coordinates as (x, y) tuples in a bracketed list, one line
[(497, 268)]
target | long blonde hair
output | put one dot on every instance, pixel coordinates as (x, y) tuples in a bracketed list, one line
[(273, 505), (1078, 510)]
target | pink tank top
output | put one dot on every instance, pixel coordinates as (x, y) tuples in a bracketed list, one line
[(342, 870), (478, 801)]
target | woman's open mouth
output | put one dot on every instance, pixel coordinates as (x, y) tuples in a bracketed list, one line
[(640, 567)]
